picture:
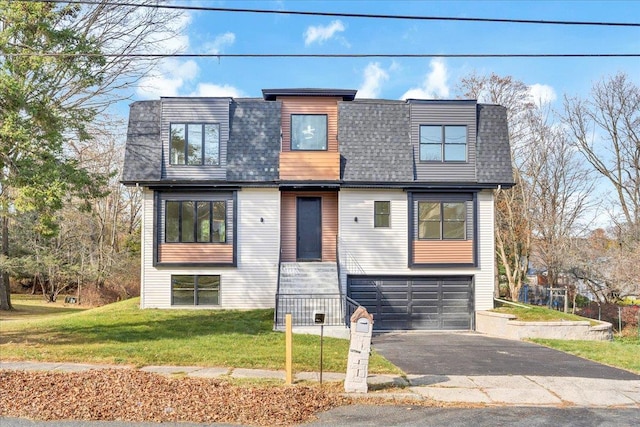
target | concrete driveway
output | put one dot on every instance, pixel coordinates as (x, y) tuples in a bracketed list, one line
[(472, 354)]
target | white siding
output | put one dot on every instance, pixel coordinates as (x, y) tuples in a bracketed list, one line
[(252, 284), (380, 251), (376, 250), (484, 281)]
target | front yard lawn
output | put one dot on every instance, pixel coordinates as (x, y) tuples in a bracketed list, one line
[(534, 313), (621, 352), (121, 333)]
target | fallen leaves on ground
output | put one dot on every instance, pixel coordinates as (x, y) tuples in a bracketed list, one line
[(131, 395)]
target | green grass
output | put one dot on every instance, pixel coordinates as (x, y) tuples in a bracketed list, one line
[(121, 333), (536, 313), (31, 306), (621, 352)]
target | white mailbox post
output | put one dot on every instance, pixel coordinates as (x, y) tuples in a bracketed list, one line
[(359, 349)]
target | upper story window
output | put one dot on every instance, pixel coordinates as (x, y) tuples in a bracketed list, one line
[(443, 143), (195, 222), (194, 144), (382, 214), (309, 132), (442, 220)]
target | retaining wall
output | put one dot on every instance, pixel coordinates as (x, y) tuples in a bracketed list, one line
[(506, 326)]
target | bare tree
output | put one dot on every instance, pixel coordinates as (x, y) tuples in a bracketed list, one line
[(513, 219), (606, 130), (600, 262), (560, 197)]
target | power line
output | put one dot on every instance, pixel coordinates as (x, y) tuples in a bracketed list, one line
[(362, 15), (331, 55)]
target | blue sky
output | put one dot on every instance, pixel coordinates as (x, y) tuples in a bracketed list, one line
[(550, 78)]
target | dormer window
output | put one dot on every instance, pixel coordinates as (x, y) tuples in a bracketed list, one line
[(309, 132), (194, 144), (443, 143)]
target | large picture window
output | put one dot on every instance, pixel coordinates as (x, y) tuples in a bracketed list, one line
[(308, 131), (442, 220), (194, 144), (195, 221), (195, 290), (443, 143)]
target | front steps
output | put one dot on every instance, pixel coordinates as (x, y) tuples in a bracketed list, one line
[(307, 288)]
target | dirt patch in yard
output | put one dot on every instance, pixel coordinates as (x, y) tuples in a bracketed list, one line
[(132, 395)]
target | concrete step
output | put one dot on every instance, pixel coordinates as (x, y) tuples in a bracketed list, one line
[(309, 278)]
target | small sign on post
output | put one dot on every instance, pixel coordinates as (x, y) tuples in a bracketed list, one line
[(359, 349)]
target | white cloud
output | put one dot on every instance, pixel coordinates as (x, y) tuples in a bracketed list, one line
[(374, 76), (542, 94), (320, 34), (220, 42), (434, 85), (210, 89), (168, 79)]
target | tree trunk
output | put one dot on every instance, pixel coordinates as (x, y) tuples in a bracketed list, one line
[(5, 291)]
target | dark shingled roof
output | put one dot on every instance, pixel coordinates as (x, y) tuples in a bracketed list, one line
[(254, 140), (374, 141), (143, 152), (493, 161), (346, 94)]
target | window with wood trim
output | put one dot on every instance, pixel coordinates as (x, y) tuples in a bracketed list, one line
[(442, 220), (195, 222), (382, 214), (309, 132), (194, 144), (195, 290), (440, 143)]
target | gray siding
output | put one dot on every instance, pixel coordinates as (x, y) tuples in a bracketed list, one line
[(198, 197), (254, 141), (444, 113), (143, 152), (374, 141), (195, 110), (494, 153)]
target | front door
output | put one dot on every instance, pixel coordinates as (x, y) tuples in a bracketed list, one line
[(309, 229)]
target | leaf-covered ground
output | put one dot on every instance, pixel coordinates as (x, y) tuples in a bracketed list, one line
[(132, 395)]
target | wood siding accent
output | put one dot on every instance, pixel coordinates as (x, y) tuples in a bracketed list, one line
[(445, 114), (310, 105), (195, 110), (195, 253), (443, 252), (310, 165), (288, 223)]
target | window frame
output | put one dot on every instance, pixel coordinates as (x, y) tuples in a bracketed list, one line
[(196, 289), (443, 144), (326, 132), (196, 222), (203, 145), (381, 215), (443, 220)]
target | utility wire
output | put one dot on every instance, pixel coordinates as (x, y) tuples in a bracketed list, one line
[(330, 55), (361, 15)]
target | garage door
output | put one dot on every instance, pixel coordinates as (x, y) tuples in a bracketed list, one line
[(421, 303)]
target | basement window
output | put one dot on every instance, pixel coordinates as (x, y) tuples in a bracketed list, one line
[(195, 290)]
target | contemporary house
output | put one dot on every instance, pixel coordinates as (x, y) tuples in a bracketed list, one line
[(311, 200)]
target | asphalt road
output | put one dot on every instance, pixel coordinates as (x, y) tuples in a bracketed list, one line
[(404, 415), (475, 354)]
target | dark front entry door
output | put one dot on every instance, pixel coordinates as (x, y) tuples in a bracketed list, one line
[(309, 229)]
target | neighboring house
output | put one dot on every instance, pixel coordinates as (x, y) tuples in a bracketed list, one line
[(307, 196)]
